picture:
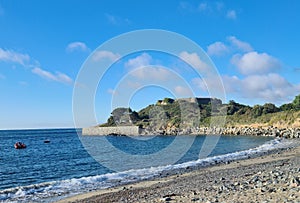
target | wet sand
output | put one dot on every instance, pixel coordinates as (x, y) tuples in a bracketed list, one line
[(270, 178)]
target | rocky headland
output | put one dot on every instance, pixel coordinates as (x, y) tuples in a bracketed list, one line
[(208, 116)]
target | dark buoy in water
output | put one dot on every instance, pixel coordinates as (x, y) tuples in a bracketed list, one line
[(19, 145), (46, 141)]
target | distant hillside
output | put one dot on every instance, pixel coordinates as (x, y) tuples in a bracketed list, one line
[(169, 114), (282, 119)]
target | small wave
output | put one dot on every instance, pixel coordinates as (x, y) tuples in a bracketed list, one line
[(55, 190)]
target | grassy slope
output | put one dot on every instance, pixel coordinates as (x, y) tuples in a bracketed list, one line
[(282, 119)]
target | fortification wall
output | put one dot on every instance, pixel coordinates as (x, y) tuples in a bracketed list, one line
[(120, 130)]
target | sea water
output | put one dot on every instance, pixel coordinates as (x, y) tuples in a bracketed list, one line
[(44, 172)]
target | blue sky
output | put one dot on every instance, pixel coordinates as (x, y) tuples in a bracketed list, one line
[(254, 45)]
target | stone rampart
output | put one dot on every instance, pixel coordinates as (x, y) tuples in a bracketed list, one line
[(118, 130)]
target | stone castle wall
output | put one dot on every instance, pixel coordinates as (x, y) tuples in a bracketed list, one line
[(119, 130)]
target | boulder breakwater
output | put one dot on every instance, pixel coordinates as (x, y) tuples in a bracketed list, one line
[(250, 131), (266, 131)]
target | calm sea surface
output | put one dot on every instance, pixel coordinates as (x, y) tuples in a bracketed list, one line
[(44, 170)]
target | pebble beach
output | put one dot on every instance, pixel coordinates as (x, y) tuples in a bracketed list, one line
[(274, 177)]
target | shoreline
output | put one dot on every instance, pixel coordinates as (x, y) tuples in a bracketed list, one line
[(269, 131), (218, 183)]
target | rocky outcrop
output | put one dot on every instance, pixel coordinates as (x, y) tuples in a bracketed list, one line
[(269, 131), (251, 131)]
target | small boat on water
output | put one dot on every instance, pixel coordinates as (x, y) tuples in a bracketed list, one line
[(19, 145), (46, 141)]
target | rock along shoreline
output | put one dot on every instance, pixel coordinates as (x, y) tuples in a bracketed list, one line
[(270, 131), (251, 131), (273, 177)]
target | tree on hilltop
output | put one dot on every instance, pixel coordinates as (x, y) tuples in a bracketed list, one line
[(269, 108), (296, 102)]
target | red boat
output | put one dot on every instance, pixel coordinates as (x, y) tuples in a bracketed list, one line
[(20, 145)]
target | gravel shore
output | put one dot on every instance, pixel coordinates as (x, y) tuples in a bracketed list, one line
[(270, 178)]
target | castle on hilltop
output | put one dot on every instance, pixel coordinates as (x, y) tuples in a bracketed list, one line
[(204, 101)]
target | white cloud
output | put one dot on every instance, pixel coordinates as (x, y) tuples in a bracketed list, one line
[(143, 60), (12, 56), (194, 60), (234, 45), (134, 84), (217, 48), (209, 8), (265, 88), (25, 60), (58, 77), (183, 91), (200, 83), (231, 14), (208, 85), (232, 84), (23, 83), (101, 55), (268, 88), (77, 46), (242, 46), (141, 68), (112, 91), (152, 73), (186, 6), (61, 77), (116, 20), (203, 6), (43, 73), (111, 19), (255, 63)]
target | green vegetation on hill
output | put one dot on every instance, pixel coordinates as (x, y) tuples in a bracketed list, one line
[(290, 118), (196, 112)]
